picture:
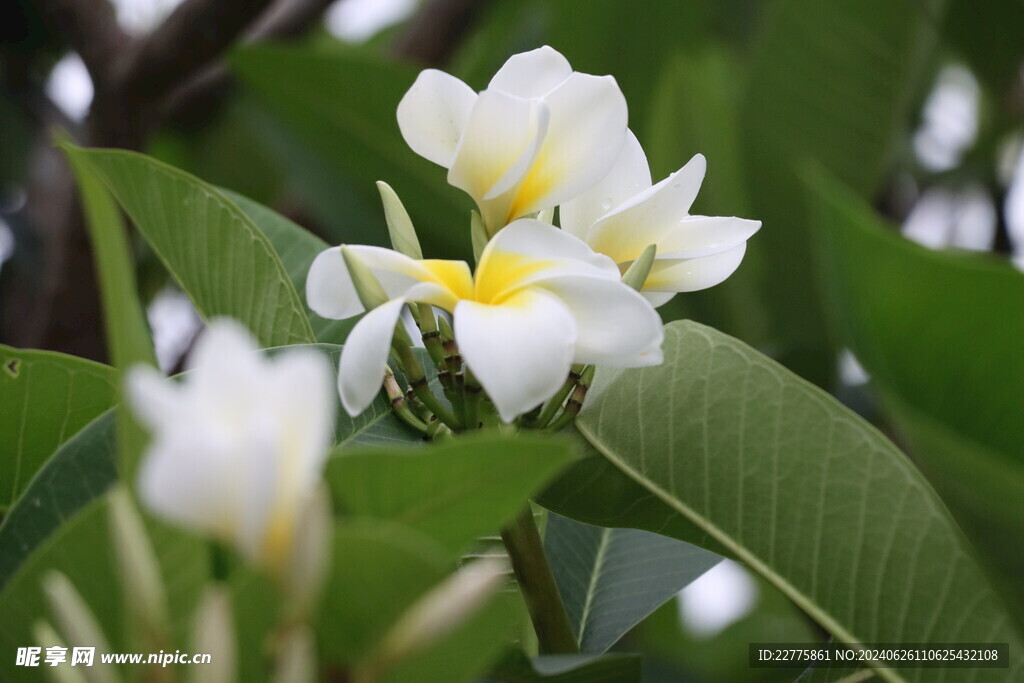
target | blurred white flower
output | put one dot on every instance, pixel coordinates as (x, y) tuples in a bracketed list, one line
[(623, 214), (540, 301), (537, 136), (239, 444)]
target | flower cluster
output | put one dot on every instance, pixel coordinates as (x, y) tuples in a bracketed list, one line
[(542, 299), (240, 443)]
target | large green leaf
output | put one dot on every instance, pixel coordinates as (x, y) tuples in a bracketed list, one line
[(84, 468), (610, 579), (725, 444), (940, 334), (225, 264), (47, 398), (81, 548), (378, 568), (128, 337), (830, 81), (357, 137), (454, 492), (296, 247), (81, 470)]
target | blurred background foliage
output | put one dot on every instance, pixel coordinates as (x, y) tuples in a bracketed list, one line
[(880, 142)]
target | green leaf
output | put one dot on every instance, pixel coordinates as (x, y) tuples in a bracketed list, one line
[(727, 445), (84, 467), (615, 668), (81, 470), (296, 247), (81, 548), (610, 579), (940, 334), (127, 331), (47, 398), (454, 492), (378, 569), (225, 264), (359, 142), (81, 551), (125, 321), (830, 81)]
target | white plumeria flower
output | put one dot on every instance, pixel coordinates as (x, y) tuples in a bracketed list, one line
[(623, 214), (537, 136), (540, 301), (239, 444)]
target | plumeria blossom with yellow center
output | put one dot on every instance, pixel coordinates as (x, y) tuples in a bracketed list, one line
[(625, 213), (239, 444), (540, 301), (536, 137)]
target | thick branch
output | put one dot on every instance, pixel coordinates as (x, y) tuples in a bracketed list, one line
[(90, 28), (196, 33), (438, 28)]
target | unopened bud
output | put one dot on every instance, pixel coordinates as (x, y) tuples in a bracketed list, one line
[(213, 632), (47, 637), (296, 657), (311, 550), (77, 623), (636, 275), (445, 328), (371, 294), (139, 570), (400, 228), (441, 611), (478, 234)]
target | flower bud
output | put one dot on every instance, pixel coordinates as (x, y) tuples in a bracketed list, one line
[(296, 657), (478, 234), (139, 571), (214, 632), (370, 293), (440, 612), (636, 275), (400, 227)]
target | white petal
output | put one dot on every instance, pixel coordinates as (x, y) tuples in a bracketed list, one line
[(331, 294), (520, 351), (629, 176), (155, 400), (697, 236), (301, 396), (191, 478), (329, 289), (500, 141), (543, 241), (225, 364), (433, 114), (690, 275), (268, 489), (365, 355), (615, 324), (658, 298), (532, 74), (647, 217), (584, 138)]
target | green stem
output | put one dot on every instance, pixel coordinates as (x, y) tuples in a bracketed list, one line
[(472, 400), (552, 406), (575, 402), (537, 584), (402, 346)]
